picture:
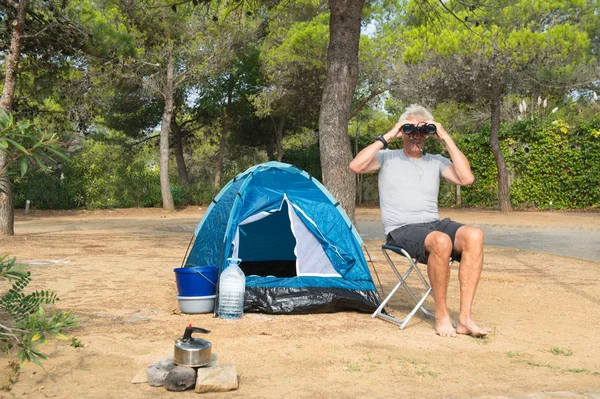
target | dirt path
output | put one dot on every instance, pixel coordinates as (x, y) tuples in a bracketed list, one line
[(115, 270)]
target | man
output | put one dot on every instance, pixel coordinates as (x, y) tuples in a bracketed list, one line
[(408, 194)]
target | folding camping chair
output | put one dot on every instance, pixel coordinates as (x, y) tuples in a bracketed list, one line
[(402, 281)]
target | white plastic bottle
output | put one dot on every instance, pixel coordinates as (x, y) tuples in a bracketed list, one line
[(232, 287)]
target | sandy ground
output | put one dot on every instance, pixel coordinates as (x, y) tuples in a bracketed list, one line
[(115, 270)]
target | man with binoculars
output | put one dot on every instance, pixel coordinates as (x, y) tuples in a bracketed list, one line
[(409, 182)]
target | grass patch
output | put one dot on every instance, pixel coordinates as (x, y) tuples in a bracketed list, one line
[(352, 367), (368, 364), (418, 367), (576, 370), (559, 351), (370, 359), (373, 364), (371, 368), (407, 360), (426, 372), (538, 364)]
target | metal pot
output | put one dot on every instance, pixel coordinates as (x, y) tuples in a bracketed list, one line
[(192, 352)]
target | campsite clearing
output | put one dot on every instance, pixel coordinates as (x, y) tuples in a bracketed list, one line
[(115, 270)]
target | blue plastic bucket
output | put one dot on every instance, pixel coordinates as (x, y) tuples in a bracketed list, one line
[(196, 280)]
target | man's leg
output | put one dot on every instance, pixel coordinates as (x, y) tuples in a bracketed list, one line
[(468, 243), (439, 247)]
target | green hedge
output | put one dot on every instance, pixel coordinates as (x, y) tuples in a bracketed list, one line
[(46, 190), (548, 161), (100, 175)]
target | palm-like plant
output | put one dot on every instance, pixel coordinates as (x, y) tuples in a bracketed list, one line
[(21, 142), (23, 320)]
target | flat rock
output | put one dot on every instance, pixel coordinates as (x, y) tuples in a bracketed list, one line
[(217, 379), (141, 377)]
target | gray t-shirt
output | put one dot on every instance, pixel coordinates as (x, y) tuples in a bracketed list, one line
[(409, 187)]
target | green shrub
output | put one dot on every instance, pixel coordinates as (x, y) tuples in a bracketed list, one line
[(484, 191), (197, 194), (548, 161), (46, 190), (100, 175), (305, 158), (29, 324), (115, 177), (555, 162)]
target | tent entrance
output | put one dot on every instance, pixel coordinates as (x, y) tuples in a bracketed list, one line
[(266, 244), (278, 244)]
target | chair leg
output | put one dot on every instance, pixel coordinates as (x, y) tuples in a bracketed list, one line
[(419, 306), (402, 278), (379, 310), (402, 282)]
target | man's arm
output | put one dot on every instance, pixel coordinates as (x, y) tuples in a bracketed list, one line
[(459, 172), (366, 161)]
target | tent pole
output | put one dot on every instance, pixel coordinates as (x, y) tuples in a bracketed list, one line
[(187, 250), (375, 270)]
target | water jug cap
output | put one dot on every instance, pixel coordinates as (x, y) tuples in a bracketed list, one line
[(236, 261)]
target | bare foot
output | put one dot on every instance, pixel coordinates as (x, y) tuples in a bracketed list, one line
[(444, 328), (470, 328)]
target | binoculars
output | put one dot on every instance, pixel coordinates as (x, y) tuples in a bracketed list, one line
[(425, 128)]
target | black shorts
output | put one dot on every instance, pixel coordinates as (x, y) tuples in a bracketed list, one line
[(411, 237)]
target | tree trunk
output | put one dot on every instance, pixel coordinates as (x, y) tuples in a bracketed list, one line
[(221, 153), (358, 175), (342, 76), (7, 212), (503, 188), (165, 184), (279, 138), (224, 131), (178, 149), (271, 144)]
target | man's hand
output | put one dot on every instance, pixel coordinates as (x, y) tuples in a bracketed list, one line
[(441, 133), (395, 132)]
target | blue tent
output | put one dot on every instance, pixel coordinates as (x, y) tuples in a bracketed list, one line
[(299, 250)]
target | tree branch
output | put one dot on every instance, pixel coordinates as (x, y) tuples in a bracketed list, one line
[(464, 22), (181, 77), (38, 33), (8, 332), (143, 140), (365, 101)]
